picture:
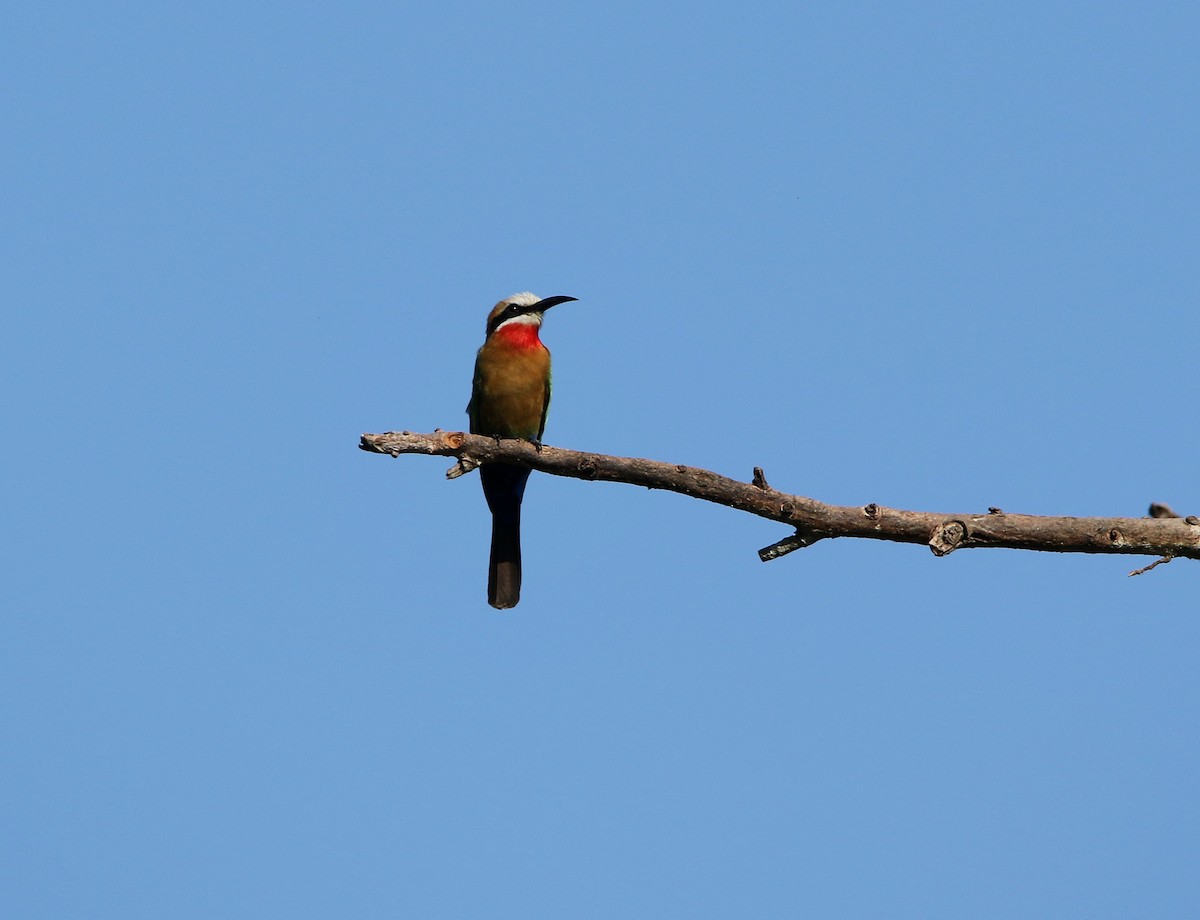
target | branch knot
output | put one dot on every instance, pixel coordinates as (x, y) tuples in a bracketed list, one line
[(947, 537)]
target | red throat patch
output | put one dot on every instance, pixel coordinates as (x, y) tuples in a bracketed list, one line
[(519, 335)]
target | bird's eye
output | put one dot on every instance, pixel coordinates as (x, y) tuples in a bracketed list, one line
[(513, 308)]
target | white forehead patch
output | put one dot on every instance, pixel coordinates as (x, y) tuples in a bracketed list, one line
[(523, 299)]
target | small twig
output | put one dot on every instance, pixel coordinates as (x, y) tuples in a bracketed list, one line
[(759, 481), (801, 539), (1146, 568), (464, 465)]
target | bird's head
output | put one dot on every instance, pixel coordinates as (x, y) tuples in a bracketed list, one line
[(522, 308)]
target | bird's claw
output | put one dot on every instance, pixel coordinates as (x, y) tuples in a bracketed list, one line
[(536, 442)]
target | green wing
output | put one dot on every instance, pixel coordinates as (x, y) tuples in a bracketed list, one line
[(472, 409), (545, 408)]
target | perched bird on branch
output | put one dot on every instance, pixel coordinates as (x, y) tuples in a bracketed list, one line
[(509, 398)]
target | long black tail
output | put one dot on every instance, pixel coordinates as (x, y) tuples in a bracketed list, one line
[(504, 487)]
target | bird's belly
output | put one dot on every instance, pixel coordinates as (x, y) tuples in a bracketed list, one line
[(510, 409)]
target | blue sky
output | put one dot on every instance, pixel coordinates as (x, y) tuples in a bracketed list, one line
[(932, 256)]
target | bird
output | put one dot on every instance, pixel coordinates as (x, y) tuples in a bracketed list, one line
[(510, 395)]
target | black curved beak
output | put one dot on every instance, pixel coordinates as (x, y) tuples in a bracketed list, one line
[(543, 305)]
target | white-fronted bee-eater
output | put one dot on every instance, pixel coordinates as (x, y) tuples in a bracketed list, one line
[(509, 399)]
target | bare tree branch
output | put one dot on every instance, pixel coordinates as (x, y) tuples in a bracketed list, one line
[(1168, 537)]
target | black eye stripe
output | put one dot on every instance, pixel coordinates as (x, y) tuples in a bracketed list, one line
[(510, 310)]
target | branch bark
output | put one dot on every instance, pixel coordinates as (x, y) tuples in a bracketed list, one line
[(812, 520)]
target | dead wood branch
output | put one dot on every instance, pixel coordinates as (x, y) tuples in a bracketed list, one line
[(812, 520)]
